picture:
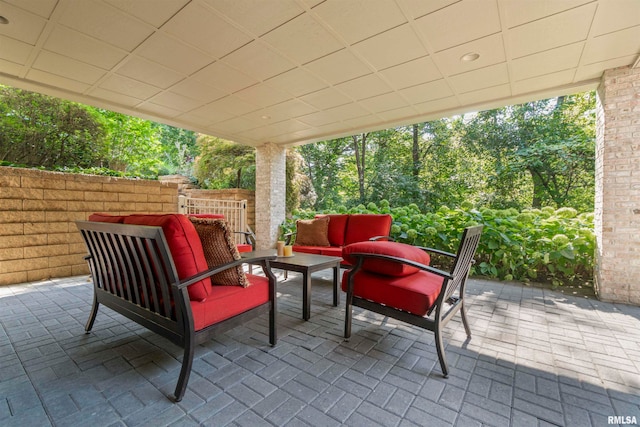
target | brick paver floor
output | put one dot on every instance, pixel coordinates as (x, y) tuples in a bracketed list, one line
[(536, 358)]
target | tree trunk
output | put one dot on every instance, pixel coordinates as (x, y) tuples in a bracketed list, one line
[(416, 153), (360, 164)]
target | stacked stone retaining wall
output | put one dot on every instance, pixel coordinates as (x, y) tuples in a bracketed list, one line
[(38, 210)]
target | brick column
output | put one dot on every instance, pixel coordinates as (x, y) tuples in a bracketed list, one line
[(270, 193), (617, 196)]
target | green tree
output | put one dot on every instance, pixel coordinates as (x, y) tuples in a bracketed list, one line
[(131, 144), (179, 150), (38, 130), (225, 164), (323, 163)]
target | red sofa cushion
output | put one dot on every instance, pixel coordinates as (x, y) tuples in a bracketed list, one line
[(225, 302), (184, 245), (395, 249), (361, 227), (415, 293), (101, 217), (337, 227), (308, 249)]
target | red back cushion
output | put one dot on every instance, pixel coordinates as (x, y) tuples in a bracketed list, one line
[(337, 226), (184, 244), (388, 268), (362, 227), (100, 217)]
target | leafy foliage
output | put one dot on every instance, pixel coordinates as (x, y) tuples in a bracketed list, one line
[(225, 164), (545, 245)]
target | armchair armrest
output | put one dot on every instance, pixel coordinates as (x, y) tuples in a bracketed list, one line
[(438, 251), (210, 272), (289, 237), (249, 237), (385, 238), (362, 256)]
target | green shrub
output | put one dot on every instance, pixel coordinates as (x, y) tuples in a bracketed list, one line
[(542, 245)]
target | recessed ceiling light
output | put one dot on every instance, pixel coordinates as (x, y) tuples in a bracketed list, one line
[(469, 57), (265, 117), (3, 20)]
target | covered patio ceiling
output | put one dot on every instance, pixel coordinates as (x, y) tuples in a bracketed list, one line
[(296, 71)]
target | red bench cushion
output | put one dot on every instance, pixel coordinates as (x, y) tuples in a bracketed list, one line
[(100, 217), (415, 293), (362, 227), (395, 249), (225, 302), (337, 227), (185, 247)]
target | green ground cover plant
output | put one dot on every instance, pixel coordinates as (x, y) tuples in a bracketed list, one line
[(547, 245)]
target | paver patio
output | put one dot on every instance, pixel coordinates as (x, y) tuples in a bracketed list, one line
[(536, 358)]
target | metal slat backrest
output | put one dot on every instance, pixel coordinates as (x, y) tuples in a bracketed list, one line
[(133, 263), (464, 259)]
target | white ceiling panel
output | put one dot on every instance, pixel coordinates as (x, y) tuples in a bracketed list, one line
[(296, 71), (547, 62), (490, 49), (358, 20), (73, 44), (395, 46), (67, 67), (202, 28), (173, 54), (105, 23), (518, 12), (258, 61), (127, 86), (14, 50), (154, 12), (338, 67), (224, 77), (257, 16), (43, 8), (460, 23), (297, 82), (364, 87), (24, 26), (149, 72), (543, 34), (612, 45), (302, 40), (615, 15), (488, 77), (412, 73)]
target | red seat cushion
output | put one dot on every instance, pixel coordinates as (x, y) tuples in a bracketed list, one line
[(331, 251), (184, 244), (395, 249), (244, 247), (337, 227), (415, 293), (308, 249), (101, 217), (225, 302), (361, 227)]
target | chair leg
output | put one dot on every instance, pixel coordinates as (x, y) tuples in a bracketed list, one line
[(273, 334), (185, 372), (92, 316), (348, 314), (463, 314), (440, 349)]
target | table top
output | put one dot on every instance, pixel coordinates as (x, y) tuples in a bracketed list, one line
[(300, 259)]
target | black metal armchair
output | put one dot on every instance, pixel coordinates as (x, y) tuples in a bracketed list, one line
[(407, 289)]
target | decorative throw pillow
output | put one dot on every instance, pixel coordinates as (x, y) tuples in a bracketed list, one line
[(312, 232), (219, 248)]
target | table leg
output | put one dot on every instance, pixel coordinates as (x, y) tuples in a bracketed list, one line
[(306, 295), (336, 294)]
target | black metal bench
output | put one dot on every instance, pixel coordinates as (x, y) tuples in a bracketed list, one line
[(134, 274)]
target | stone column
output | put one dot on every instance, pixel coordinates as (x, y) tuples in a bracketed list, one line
[(270, 193), (617, 196)]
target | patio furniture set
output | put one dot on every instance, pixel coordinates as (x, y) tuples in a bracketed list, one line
[(182, 277)]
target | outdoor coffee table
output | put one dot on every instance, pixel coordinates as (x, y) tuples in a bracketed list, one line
[(305, 264)]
